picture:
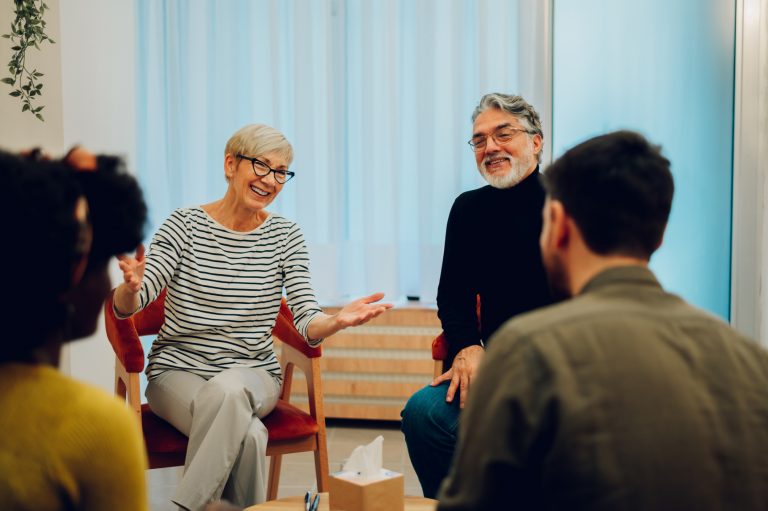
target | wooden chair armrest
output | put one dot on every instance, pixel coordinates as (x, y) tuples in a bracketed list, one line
[(297, 353)]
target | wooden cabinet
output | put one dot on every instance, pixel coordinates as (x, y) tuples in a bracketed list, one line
[(370, 371)]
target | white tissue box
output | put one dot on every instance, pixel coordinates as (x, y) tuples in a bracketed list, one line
[(351, 492)]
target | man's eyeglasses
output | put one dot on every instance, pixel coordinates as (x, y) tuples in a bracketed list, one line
[(501, 136), (261, 169)]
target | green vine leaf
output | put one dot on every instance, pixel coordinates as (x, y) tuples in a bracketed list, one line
[(27, 31)]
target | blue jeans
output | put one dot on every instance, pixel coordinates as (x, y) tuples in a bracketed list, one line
[(430, 427)]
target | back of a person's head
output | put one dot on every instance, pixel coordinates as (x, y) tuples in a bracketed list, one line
[(37, 204), (618, 189), (117, 209), (43, 239)]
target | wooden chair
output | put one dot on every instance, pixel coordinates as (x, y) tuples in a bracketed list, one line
[(290, 429), (440, 346)]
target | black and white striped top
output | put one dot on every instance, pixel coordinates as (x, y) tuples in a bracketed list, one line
[(224, 292)]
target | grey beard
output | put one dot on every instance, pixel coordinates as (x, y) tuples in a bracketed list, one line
[(512, 178)]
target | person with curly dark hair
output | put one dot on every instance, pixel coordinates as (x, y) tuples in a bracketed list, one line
[(65, 444)]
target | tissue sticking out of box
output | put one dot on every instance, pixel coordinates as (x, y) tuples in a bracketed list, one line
[(366, 460), (364, 485)]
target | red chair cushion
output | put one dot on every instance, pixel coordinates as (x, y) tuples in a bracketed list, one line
[(286, 422), (166, 446), (160, 436)]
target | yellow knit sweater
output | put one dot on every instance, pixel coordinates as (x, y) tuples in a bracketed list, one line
[(66, 445)]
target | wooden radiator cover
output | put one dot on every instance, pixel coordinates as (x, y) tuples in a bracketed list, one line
[(370, 371)]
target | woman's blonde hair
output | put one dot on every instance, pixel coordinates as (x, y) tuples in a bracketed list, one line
[(255, 140)]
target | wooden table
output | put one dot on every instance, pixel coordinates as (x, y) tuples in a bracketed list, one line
[(297, 504)]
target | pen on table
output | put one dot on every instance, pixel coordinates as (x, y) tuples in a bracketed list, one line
[(306, 501), (315, 502)]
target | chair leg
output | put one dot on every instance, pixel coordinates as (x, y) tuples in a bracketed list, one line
[(274, 476), (321, 463)]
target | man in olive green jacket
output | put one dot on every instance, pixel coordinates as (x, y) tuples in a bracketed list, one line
[(623, 397)]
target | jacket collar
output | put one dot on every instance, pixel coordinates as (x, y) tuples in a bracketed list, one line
[(631, 274)]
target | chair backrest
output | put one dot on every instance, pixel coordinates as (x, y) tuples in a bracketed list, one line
[(439, 347), (124, 334), (149, 320), (287, 333), (439, 354)]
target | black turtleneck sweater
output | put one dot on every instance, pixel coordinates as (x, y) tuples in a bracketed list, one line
[(491, 250)]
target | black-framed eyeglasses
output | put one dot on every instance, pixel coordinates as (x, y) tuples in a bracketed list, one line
[(501, 136), (261, 169)]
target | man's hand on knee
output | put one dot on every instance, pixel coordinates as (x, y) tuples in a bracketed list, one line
[(462, 373)]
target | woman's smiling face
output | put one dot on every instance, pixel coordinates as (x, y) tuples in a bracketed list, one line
[(252, 191)]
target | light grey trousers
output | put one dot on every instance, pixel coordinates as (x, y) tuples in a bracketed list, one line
[(226, 456)]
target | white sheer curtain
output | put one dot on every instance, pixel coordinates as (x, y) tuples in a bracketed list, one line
[(762, 136), (749, 275), (375, 96)]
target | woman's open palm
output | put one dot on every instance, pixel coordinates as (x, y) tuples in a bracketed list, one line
[(133, 269), (362, 310)]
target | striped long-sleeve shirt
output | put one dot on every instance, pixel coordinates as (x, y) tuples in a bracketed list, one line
[(224, 292)]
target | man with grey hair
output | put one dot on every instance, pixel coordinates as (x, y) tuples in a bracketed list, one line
[(491, 255), (623, 396)]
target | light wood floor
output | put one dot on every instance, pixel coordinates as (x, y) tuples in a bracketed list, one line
[(298, 472)]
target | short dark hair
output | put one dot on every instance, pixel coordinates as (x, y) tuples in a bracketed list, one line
[(618, 189)]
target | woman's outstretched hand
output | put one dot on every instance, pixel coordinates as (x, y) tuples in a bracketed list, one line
[(127, 294), (354, 313), (133, 269), (361, 310)]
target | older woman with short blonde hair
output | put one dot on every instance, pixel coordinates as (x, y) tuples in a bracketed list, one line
[(212, 370)]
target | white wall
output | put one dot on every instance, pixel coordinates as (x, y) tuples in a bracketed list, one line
[(22, 130), (98, 84), (98, 75), (89, 99)]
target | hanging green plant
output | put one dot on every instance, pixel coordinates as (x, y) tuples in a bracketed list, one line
[(27, 30)]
